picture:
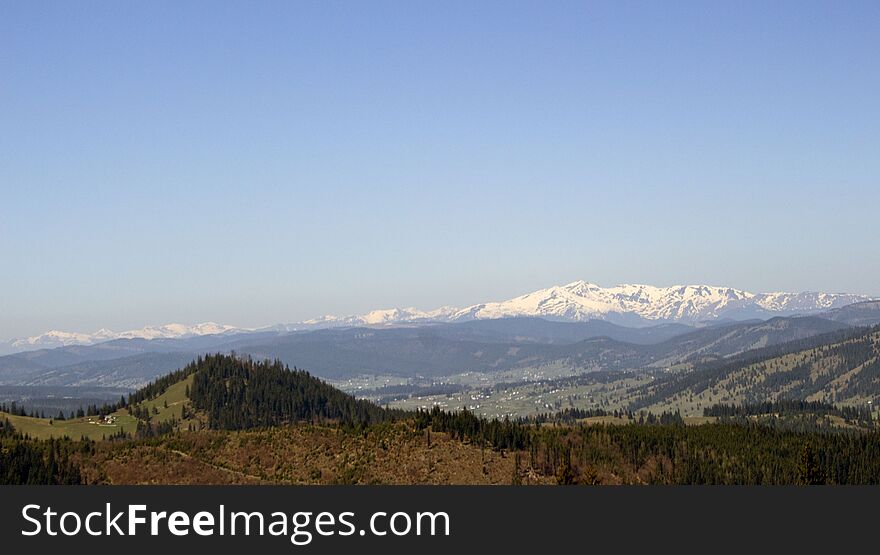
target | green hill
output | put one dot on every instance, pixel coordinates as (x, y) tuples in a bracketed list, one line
[(845, 370), (239, 393)]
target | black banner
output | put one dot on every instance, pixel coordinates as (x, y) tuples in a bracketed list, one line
[(434, 519)]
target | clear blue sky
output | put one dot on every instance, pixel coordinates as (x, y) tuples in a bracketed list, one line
[(261, 162)]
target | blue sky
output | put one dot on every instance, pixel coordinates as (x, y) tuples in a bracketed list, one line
[(261, 162)]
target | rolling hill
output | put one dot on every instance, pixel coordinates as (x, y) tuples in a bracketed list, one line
[(857, 314), (841, 368)]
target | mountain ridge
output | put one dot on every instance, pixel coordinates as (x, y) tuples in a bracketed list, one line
[(632, 305), (627, 304), (58, 338)]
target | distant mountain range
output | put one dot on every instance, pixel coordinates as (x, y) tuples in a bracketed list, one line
[(432, 350), (55, 338), (579, 301), (629, 304)]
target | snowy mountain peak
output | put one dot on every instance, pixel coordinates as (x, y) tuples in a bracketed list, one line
[(380, 317), (628, 304), (631, 303), (57, 338)]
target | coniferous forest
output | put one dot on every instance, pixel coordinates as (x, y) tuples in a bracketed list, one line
[(33, 462), (240, 393), (671, 453)]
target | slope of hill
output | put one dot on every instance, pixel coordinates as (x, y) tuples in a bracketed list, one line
[(538, 330), (305, 454), (424, 351), (129, 372), (841, 368), (725, 341), (858, 314)]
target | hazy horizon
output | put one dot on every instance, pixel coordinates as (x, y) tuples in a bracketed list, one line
[(261, 163)]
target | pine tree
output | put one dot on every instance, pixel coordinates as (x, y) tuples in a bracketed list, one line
[(809, 471), (517, 476), (565, 475), (589, 476)]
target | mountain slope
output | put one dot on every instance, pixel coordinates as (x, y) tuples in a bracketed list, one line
[(732, 339), (128, 372), (842, 367), (538, 330), (432, 351), (858, 314)]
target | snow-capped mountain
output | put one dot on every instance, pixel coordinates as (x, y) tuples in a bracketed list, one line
[(627, 304), (56, 338), (681, 303), (630, 304), (387, 316)]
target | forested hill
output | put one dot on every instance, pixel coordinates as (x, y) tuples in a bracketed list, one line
[(844, 370), (240, 393)]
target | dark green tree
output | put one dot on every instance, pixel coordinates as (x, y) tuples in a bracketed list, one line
[(809, 470)]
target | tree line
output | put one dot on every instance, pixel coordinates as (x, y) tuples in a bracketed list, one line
[(859, 413)]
